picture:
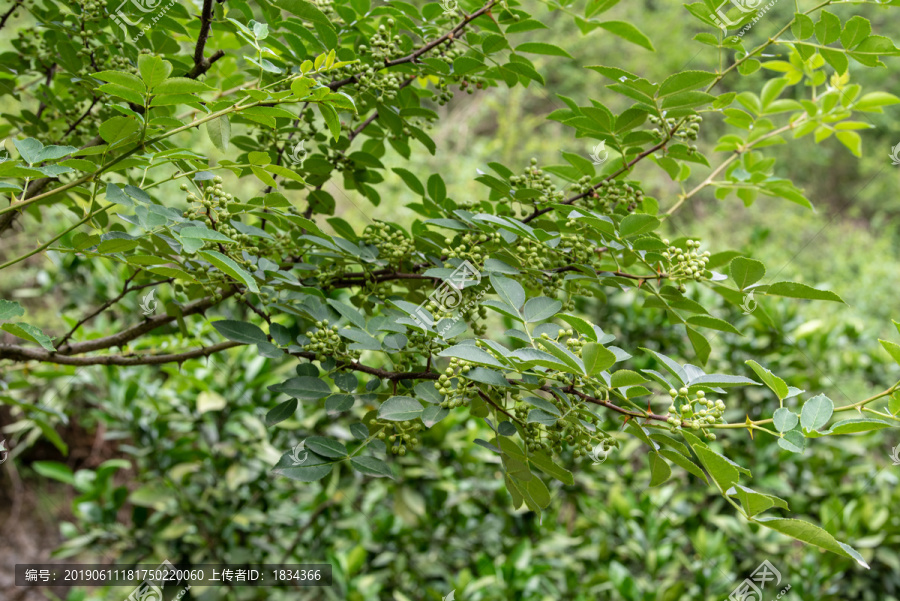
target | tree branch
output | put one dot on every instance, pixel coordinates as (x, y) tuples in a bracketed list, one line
[(20, 353), (201, 64)]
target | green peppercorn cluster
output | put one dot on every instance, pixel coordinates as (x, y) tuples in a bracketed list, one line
[(449, 385), (469, 247), (534, 178), (697, 412), (393, 244), (403, 434), (325, 342), (688, 131), (687, 264), (617, 195), (577, 431)]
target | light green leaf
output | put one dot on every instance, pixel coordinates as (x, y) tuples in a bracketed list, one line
[(855, 425), (892, 349), (542, 48), (228, 266), (746, 272), (509, 290), (784, 419), (816, 412), (153, 69), (596, 358), (809, 533), (400, 408), (684, 81), (541, 308), (181, 85), (771, 380), (659, 469), (10, 309), (29, 332), (219, 132), (629, 32), (795, 290)]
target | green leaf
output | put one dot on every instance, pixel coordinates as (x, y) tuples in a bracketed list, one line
[(722, 470), (181, 85), (509, 290), (713, 323), (304, 10), (746, 272), (769, 379), (544, 463), (311, 469), (331, 119), (855, 425), (118, 128), (219, 132), (828, 29), (542, 48), (855, 31), (683, 462), (892, 349), (115, 245), (659, 469), (400, 408), (55, 470), (153, 69), (816, 412), (795, 290), (122, 78), (281, 412), (792, 441), (755, 502), (306, 388), (637, 223), (596, 358), (851, 140), (624, 377), (541, 308), (784, 419), (240, 331), (371, 466), (228, 266), (326, 447), (809, 533), (10, 309), (629, 32), (29, 332), (684, 81)]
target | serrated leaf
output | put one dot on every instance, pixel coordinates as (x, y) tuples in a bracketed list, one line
[(400, 408), (746, 272), (659, 469), (307, 388), (10, 309), (281, 412), (795, 290), (769, 379), (812, 534), (371, 466), (816, 412), (228, 266), (240, 331)]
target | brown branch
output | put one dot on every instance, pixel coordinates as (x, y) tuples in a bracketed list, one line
[(126, 336), (626, 167), (110, 303), (8, 13), (450, 35), (201, 64), (20, 353)]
